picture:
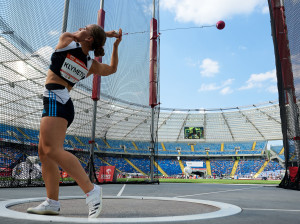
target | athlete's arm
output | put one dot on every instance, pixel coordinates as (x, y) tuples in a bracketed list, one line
[(112, 33), (104, 69), (65, 39)]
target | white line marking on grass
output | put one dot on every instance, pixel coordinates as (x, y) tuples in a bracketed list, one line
[(121, 191), (216, 192), (271, 209)]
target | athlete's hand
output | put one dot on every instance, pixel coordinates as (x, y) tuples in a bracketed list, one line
[(112, 33), (118, 37)]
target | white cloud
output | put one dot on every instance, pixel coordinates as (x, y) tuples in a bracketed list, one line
[(147, 7), (226, 90), (208, 12), (209, 67), (272, 89), (242, 47), (265, 10), (208, 87), (228, 82), (261, 80), (224, 87), (191, 63)]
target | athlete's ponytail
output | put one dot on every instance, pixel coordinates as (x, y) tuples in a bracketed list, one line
[(99, 40)]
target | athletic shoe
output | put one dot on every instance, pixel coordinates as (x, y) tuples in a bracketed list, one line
[(45, 208), (94, 201)]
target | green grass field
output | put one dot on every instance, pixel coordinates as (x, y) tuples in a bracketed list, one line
[(203, 181), (207, 181)]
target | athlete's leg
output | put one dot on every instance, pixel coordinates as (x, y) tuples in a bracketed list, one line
[(50, 173), (52, 134)]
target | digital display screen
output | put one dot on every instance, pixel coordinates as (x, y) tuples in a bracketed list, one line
[(193, 132)]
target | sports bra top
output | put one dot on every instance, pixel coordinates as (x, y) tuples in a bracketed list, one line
[(70, 63)]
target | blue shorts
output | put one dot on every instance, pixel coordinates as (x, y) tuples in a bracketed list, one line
[(57, 103)]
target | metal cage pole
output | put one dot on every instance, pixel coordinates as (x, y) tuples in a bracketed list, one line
[(153, 87), (65, 16), (152, 147), (95, 98)]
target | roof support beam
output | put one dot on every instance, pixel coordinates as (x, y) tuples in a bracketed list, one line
[(249, 121), (182, 126), (142, 122), (269, 117), (165, 120), (227, 125)]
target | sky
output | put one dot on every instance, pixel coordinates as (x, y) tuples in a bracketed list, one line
[(210, 68)]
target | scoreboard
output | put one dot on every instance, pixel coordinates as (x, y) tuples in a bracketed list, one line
[(193, 132)]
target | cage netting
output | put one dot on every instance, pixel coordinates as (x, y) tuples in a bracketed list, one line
[(29, 32)]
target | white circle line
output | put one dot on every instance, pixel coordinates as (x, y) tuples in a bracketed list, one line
[(225, 210)]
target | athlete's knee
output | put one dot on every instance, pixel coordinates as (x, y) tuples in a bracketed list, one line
[(46, 150), (49, 152), (41, 151), (43, 155)]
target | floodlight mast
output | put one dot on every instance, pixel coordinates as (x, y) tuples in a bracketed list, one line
[(153, 85)]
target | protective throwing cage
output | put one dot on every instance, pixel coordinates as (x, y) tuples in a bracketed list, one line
[(127, 117)]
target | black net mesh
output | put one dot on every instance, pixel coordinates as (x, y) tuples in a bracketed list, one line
[(29, 32)]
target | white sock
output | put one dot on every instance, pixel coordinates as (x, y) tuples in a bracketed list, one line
[(92, 191), (53, 202)]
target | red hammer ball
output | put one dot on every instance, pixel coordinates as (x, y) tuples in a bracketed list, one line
[(220, 25)]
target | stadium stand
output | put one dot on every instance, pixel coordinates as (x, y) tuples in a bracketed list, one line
[(120, 164), (273, 165), (249, 167), (170, 154), (277, 149), (221, 167)]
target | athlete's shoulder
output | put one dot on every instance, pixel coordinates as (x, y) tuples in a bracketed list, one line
[(65, 40), (67, 46), (67, 36)]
